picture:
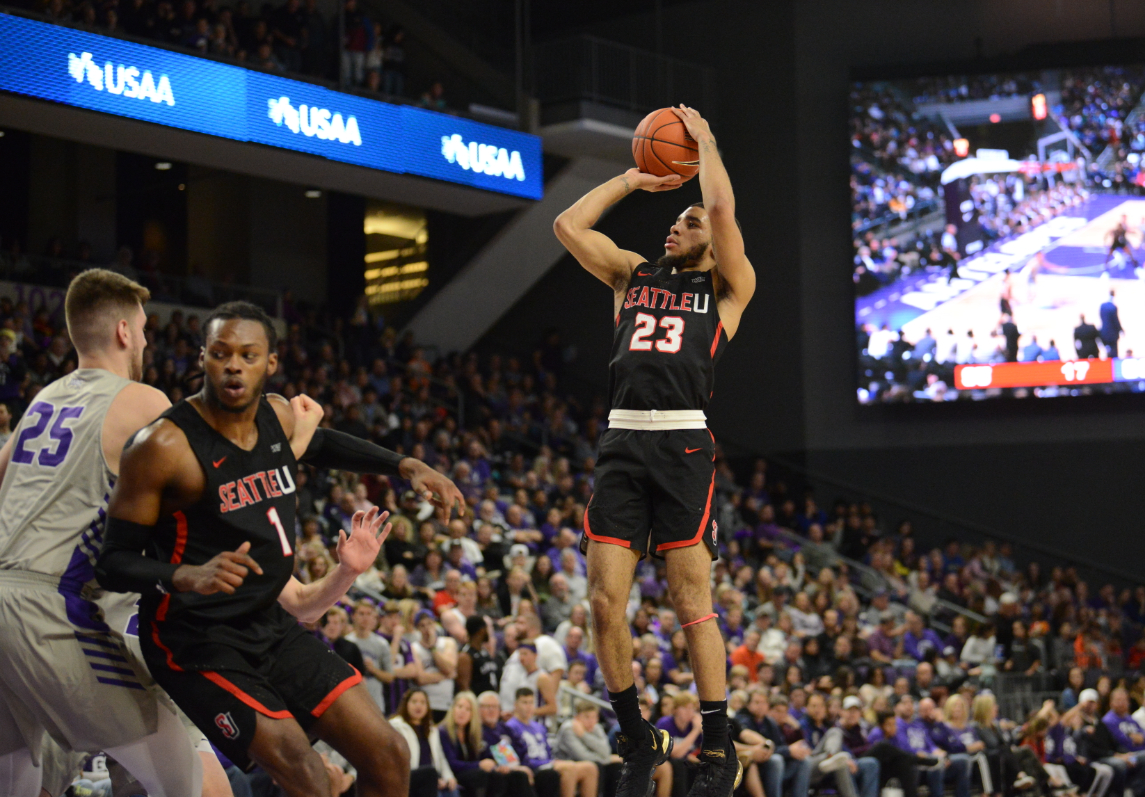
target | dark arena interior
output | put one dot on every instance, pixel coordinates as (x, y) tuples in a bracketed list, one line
[(329, 468)]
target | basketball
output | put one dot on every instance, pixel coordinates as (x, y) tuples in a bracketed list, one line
[(662, 146)]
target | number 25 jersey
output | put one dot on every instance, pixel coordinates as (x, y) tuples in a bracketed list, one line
[(668, 338)]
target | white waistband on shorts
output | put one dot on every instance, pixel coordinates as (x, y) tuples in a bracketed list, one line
[(657, 420), (30, 578)]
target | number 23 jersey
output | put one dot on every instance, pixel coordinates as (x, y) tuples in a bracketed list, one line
[(667, 341)]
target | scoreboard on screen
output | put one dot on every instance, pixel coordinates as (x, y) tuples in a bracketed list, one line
[(1044, 374)]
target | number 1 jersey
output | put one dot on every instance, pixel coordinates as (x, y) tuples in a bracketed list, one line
[(667, 341), (248, 496)]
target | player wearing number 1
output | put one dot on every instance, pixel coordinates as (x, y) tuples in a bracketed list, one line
[(655, 475), (198, 524)]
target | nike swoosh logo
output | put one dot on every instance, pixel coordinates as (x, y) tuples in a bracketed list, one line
[(714, 710), (218, 462), (644, 273), (693, 451)]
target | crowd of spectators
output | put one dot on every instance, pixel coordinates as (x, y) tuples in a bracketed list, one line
[(1098, 105), (965, 88), (1095, 103), (295, 36), (855, 653), (897, 157)]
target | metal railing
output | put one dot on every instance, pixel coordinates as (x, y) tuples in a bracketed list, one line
[(55, 272), (589, 68), (1018, 695), (859, 568), (946, 526)]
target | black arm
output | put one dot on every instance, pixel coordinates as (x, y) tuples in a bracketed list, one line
[(122, 565), (340, 451)]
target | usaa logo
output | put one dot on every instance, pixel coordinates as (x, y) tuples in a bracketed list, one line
[(314, 122), (483, 158), (129, 81)]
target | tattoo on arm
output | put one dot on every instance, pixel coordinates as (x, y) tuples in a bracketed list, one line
[(709, 145), (627, 188)]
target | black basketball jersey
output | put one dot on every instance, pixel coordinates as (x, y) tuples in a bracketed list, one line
[(483, 675), (667, 341), (247, 496)]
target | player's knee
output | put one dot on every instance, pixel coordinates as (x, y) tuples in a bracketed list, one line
[(607, 609), (305, 774), (296, 765), (388, 759)]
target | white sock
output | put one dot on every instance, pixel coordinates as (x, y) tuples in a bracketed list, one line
[(19, 776), (164, 762)]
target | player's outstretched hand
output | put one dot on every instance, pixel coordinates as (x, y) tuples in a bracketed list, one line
[(436, 488), (696, 125), (650, 182), (307, 415), (358, 551), (224, 573)]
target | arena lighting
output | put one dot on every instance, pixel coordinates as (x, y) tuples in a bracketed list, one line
[(995, 118), (136, 81), (313, 193), (1038, 106), (961, 147), (163, 165)]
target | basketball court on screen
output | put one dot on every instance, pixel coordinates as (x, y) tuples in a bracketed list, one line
[(1069, 281)]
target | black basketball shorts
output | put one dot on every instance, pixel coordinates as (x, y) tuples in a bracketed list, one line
[(653, 491), (298, 677)]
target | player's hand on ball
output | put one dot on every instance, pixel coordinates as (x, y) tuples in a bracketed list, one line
[(650, 182), (308, 414), (696, 125), (358, 551), (224, 573), (434, 487)]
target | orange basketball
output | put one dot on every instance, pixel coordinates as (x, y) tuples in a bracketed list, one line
[(662, 146)]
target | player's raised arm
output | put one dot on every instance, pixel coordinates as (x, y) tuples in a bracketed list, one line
[(719, 201), (330, 448), (299, 418), (309, 602), (595, 251)]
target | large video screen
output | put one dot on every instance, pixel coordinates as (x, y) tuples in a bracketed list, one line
[(998, 231)]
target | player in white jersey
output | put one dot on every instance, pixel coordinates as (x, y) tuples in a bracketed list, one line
[(65, 666)]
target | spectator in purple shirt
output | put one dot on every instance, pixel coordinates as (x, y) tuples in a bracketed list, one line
[(531, 741), (918, 639), (496, 741), (684, 726), (881, 644), (469, 758), (1130, 736), (913, 736)]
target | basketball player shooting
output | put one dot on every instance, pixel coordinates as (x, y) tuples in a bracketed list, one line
[(198, 524), (655, 473)]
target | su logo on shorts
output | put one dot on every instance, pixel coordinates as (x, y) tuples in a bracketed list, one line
[(227, 725)]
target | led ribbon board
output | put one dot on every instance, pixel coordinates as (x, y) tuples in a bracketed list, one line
[(100, 73)]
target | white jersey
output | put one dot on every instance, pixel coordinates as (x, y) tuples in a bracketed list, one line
[(53, 502), (440, 694)]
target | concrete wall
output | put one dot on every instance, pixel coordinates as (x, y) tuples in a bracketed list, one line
[(72, 196)]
